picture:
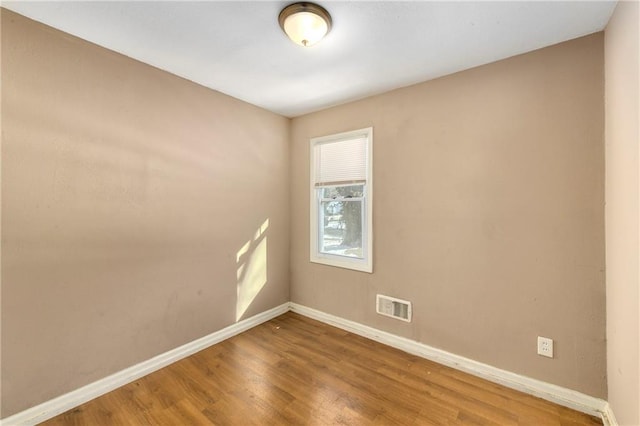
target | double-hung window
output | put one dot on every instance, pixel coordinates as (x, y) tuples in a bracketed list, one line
[(341, 203)]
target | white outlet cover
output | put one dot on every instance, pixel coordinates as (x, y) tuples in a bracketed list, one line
[(545, 346)]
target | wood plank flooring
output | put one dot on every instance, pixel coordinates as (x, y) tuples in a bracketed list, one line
[(296, 371)]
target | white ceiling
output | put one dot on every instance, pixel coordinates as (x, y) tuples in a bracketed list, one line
[(237, 47)]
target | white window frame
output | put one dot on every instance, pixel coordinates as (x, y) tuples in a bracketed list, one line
[(366, 263)]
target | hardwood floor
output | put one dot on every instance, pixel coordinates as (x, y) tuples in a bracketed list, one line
[(294, 370)]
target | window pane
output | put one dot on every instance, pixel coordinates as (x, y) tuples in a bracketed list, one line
[(342, 191), (341, 229)]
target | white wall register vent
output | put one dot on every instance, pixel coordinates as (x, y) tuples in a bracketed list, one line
[(394, 308)]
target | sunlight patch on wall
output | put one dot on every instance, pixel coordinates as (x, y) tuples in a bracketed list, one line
[(252, 269)]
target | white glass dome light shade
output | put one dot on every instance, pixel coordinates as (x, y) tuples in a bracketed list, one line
[(305, 23), (305, 28)]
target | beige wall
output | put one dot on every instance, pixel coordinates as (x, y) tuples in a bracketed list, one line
[(488, 213), (127, 194), (622, 211), (132, 204)]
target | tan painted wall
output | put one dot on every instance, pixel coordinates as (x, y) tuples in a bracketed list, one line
[(127, 194), (622, 90), (488, 213)]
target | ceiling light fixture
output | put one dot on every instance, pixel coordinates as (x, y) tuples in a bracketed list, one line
[(305, 23)]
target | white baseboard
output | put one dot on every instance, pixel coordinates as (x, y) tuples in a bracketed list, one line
[(607, 416), (557, 394), (66, 402)]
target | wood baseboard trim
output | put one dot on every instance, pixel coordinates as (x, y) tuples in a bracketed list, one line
[(557, 394), (608, 419), (55, 406)]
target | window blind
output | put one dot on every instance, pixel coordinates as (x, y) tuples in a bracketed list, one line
[(341, 162)]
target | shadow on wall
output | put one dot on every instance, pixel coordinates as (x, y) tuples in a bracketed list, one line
[(251, 262)]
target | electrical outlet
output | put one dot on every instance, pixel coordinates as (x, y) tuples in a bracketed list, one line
[(545, 346)]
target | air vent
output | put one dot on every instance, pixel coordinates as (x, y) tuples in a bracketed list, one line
[(394, 308)]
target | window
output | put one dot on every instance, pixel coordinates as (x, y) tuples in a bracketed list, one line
[(341, 188)]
